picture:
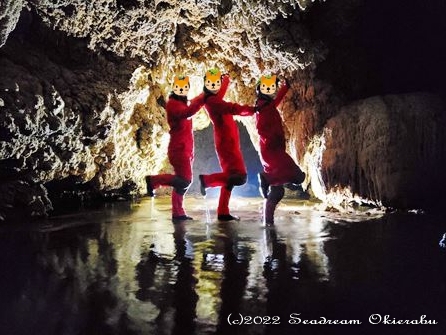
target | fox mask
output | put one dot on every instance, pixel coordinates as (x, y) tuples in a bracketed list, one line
[(268, 84), (181, 85), (212, 80)]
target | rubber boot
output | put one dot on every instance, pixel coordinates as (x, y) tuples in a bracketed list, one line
[(180, 185), (161, 180), (178, 212), (223, 206), (274, 197)]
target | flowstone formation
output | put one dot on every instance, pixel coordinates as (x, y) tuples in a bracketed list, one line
[(83, 86), (388, 149)]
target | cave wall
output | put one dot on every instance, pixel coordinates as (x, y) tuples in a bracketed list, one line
[(390, 149), (83, 85), (75, 116)]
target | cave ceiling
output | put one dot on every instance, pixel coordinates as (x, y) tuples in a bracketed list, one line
[(244, 38)]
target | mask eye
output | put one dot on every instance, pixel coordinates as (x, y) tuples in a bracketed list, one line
[(218, 81), (263, 85), (273, 85)]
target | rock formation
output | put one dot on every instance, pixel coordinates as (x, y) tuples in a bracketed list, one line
[(389, 149), (83, 85)]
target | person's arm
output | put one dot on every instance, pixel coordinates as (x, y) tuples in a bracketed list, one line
[(281, 94), (195, 104), (226, 107), (242, 110), (224, 86), (182, 111)]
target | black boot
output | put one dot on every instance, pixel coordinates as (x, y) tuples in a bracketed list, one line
[(276, 194), (181, 218), (202, 185), (293, 187), (228, 217), (149, 187)]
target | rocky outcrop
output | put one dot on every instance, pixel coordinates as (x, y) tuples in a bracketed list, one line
[(83, 85), (72, 115), (9, 15), (390, 149)]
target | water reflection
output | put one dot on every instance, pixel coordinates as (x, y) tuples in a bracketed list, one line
[(236, 258), (129, 270)]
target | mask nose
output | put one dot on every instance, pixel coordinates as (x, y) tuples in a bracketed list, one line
[(181, 90), (213, 85)]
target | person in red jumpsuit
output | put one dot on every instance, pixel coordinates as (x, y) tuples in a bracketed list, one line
[(226, 141), (279, 168), (181, 146)]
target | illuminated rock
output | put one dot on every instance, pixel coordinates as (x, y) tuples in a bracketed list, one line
[(9, 15), (389, 149), (83, 85)]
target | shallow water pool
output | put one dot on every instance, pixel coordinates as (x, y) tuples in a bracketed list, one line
[(127, 269)]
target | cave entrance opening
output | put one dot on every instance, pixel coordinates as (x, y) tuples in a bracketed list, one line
[(206, 161)]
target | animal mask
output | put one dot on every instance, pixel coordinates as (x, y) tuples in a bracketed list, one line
[(212, 80), (268, 84), (181, 85)]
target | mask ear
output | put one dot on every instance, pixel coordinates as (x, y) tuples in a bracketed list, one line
[(259, 81), (183, 80)]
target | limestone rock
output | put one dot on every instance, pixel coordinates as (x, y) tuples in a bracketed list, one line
[(84, 83), (389, 149), (9, 15), (74, 114), (83, 87)]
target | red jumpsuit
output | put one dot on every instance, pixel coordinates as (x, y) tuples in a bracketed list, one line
[(278, 166), (227, 145), (180, 150)]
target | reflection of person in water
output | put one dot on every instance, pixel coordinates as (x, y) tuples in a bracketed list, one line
[(154, 271), (235, 274), (145, 274), (277, 274), (185, 298)]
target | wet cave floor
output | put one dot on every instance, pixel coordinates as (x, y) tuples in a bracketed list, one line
[(127, 269)]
